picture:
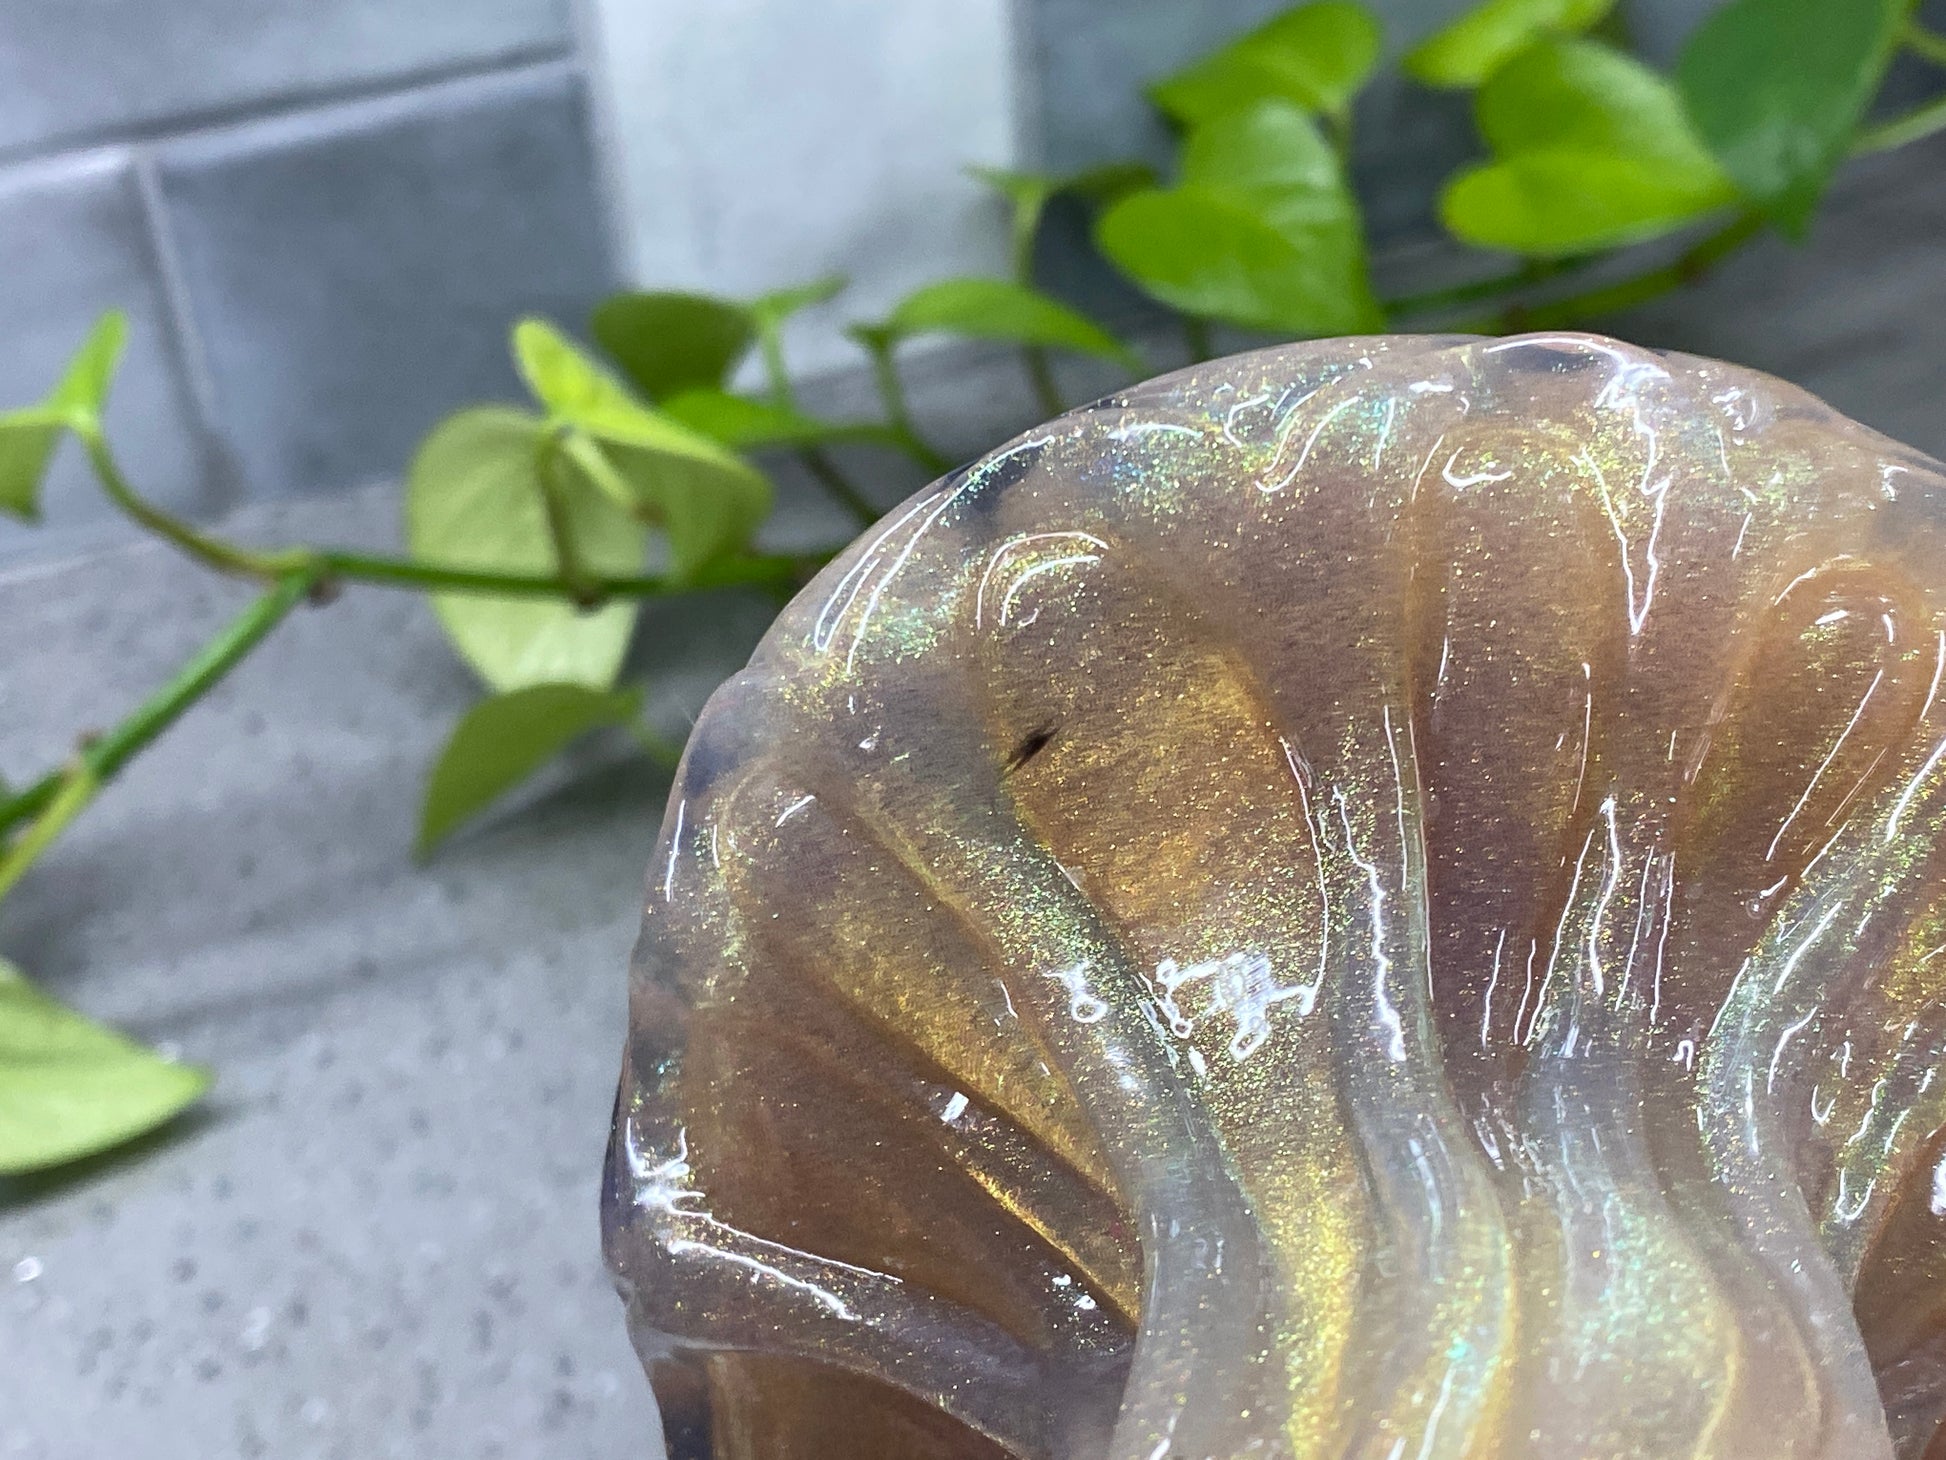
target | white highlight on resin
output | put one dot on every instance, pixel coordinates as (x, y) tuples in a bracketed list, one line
[(675, 847), (1240, 984), (1084, 1005), (1470, 479), (1084, 549), (1266, 486), (753, 144)]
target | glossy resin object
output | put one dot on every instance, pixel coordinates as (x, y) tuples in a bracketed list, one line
[(1380, 898)]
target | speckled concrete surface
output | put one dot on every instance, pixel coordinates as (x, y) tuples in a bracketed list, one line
[(379, 1238)]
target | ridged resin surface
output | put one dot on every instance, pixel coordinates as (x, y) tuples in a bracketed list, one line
[(1380, 898)]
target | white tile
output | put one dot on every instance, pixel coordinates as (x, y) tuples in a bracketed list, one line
[(759, 143)]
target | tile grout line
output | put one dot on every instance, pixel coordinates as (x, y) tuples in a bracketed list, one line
[(197, 122), (223, 490)]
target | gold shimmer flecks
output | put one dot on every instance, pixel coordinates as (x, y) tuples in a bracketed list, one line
[(1378, 898)]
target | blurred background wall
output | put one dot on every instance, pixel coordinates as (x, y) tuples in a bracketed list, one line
[(323, 214)]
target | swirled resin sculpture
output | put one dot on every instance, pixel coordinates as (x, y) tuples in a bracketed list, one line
[(1381, 898)]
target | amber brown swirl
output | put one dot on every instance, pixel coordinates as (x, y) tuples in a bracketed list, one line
[(1378, 898)]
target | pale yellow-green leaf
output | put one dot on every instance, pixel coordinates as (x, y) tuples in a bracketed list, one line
[(28, 437), (70, 1087), (473, 500)]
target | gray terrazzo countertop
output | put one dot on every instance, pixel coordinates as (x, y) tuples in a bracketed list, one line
[(378, 1238)]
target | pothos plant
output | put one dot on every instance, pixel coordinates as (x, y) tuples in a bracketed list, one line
[(529, 527)]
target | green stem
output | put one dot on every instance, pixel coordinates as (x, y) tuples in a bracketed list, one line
[(222, 556), (1040, 372), (838, 485), (759, 570), (560, 528), (296, 574), (843, 490), (1195, 333), (1693, 263), (100, 758), (1920, 122), (898, 416), (1925, 44), (1024, 234), (74, 789), (1437, 301), (770, 344), (325, 565)]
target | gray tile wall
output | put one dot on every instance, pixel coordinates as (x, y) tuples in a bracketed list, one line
[(80, 70), (353, 269), (321, 216)]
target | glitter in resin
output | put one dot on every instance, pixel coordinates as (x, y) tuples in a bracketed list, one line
[(1378, 898)]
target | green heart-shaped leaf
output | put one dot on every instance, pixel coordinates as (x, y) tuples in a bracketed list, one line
[(502, 741), (1778, 87), (1213, 256), (707, 499), (1275, 157), (1469, 50), (667, 343), (1555, 204), (579, 393), (1582, 93), (1593, 150), (1314, 57), (27, 442), (1263, 231), (70, 1088)]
